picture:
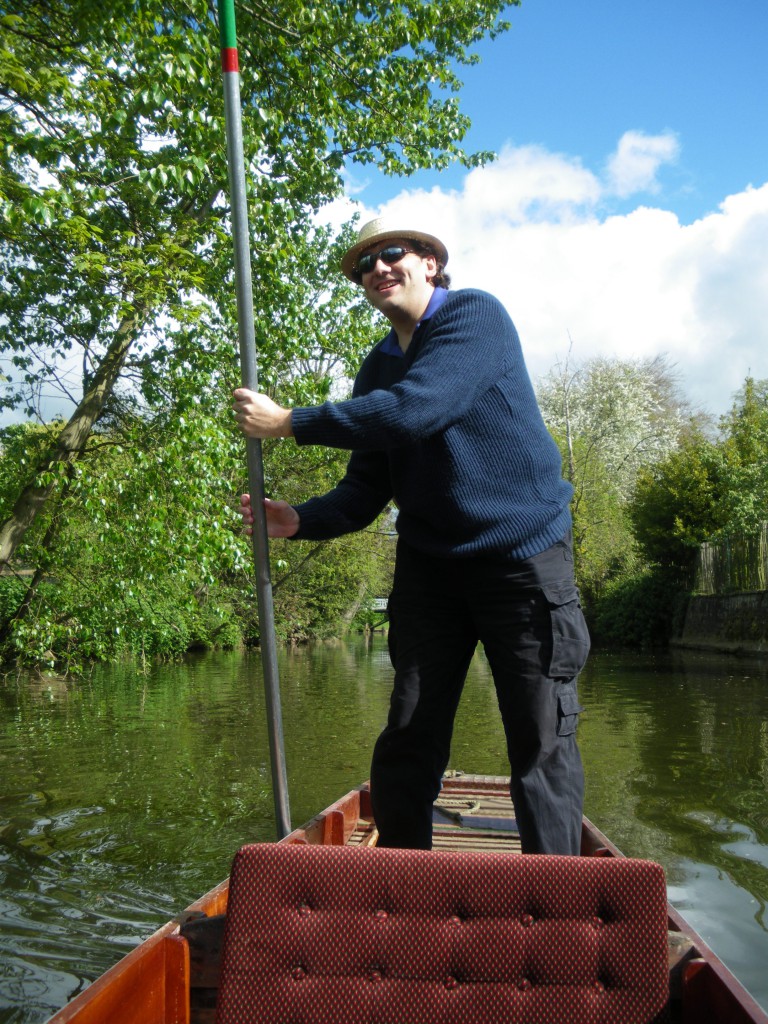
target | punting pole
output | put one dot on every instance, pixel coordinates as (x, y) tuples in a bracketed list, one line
[(249, 370)]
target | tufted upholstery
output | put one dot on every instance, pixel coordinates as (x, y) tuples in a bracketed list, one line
[(339, 935)]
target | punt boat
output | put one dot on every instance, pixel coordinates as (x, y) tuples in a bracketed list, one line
[(174, 977)]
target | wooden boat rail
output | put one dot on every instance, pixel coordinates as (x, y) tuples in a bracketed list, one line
[(173, 977)]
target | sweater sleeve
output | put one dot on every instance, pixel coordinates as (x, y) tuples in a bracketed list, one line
[(353, 504), (463, 352)]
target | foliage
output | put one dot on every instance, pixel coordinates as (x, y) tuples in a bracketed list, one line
[(650, 486), (318, 586), (643, 608), (705, 490), (22, 446), (113, 169), (328, 592), (610, 419), (116, 281), (743, 504), (626, 413), (674, 507), (147, 555), (132, 547), (708, 488)]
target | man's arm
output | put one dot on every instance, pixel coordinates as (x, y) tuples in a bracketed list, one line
[(362, 494), (467, 347), (352, 505)]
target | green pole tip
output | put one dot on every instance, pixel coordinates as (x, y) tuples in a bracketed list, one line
[(227, 24)]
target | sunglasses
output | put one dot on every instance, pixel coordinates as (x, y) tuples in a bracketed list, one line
[(389, 255)]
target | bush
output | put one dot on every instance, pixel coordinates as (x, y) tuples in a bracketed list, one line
[(641, 610)]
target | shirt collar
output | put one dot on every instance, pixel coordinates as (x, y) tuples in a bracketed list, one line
[(391, 347)]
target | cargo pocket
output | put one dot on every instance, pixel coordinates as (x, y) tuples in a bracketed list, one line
[(568, 709), (570, 636)]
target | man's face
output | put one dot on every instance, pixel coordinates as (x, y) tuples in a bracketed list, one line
[(401, 290)]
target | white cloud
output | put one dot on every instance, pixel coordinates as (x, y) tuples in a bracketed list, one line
[(529, 228), (528, 183), (636, 162)]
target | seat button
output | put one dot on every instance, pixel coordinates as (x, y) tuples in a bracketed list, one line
[(527, 920), (382, 915), (525, 984), (304, 910), (298, 973), (451, 982), (375, 975), (455, 921), (598, 922)]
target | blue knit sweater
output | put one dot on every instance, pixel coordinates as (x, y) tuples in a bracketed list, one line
[(451, 431)]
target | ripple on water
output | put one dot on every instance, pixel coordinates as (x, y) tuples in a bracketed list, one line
[(69, 909), (128, 795)]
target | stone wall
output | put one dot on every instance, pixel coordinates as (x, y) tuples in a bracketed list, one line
[(737, 623)]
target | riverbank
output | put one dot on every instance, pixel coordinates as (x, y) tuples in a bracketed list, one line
[(732, 624)]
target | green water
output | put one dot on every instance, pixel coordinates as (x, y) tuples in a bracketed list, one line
[(123, 798)]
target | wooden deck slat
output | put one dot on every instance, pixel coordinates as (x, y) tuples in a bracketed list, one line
[(467, 796)]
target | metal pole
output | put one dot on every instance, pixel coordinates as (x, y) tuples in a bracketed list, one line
[(249, 370)]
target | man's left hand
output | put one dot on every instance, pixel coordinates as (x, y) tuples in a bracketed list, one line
[(258, 416)]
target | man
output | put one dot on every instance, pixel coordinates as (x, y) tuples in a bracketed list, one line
[(443, 420)]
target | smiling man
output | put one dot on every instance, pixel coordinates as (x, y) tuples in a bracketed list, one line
[(444, 422)]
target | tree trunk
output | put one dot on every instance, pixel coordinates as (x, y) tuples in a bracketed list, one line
[(569, 440), (71, 440), (354, 608), (26, 602)]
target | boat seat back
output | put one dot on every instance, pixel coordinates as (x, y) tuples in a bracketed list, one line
[(340, 935)]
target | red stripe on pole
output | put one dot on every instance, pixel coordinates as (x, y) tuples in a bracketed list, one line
[(229, 60)]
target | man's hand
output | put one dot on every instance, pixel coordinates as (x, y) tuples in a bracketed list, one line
[(282, 519), (258, 416)]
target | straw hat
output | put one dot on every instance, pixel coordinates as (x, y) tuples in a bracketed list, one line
[(379, 231)]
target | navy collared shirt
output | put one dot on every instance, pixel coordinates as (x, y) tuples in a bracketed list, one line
[(391, 346)]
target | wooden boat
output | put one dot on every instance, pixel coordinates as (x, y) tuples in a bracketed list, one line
[(173, 977)]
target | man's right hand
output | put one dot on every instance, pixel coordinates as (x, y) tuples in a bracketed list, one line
[(282, 518)]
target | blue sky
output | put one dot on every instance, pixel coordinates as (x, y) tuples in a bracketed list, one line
[(574, 77), (627, 214)]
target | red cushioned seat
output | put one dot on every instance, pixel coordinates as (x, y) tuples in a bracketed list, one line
[(339, 935)]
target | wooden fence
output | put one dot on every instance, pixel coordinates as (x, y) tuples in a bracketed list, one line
[(733, 565)]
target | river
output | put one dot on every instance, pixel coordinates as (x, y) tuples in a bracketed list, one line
[(124, 796)]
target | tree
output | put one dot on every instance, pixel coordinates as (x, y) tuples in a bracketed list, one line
[(704, 490), (611, 418), (743, 504), (709, 488), (709, 491), (116, 262), (674, 507), (113, 174), (143, 552), (627, 413)]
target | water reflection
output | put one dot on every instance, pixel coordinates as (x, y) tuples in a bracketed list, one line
[(677, 760), (125, 797)]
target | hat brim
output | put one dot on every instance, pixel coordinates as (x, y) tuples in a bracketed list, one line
[(350, 257)]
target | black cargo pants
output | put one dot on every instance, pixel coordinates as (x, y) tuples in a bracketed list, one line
[(528, 617)]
